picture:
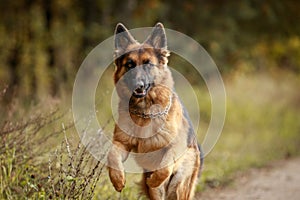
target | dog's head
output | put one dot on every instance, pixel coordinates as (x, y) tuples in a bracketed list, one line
[(140, 66)]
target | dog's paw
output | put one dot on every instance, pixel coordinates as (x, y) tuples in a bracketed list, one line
[(117, 178)]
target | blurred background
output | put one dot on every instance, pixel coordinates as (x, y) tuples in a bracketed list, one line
[(255, 44)]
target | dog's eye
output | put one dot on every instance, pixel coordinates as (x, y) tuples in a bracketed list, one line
[(130, 64), (147, 62)]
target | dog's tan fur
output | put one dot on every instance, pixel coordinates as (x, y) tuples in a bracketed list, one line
[(172, 163)]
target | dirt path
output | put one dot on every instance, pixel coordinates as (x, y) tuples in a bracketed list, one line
[(279, 181)]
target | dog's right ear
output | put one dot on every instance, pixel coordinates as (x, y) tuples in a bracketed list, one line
[(122, 38), (157, 38)]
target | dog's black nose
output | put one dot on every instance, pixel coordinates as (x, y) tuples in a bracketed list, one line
[(140, 84)]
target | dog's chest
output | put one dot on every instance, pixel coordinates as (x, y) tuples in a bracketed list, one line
[(151, 137)]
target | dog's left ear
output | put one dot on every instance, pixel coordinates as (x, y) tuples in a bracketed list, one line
[(123, 38), (157, 38)]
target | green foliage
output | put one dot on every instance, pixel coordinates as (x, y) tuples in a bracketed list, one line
[(262, 125), (29, 171), (21, 167), (73, 173), (44, 42)]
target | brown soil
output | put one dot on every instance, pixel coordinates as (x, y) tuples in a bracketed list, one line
[(278, 181)]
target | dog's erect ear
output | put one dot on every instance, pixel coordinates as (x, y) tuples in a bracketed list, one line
[(157, 38), (122, 38)]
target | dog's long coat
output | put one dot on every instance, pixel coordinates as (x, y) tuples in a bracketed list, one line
[(152, 121)]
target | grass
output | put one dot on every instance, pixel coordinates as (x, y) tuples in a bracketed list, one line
[(262, 124), (41, 159), (34, 164), (73, 173)]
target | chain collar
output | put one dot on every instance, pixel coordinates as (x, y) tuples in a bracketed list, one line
[(155, 114)]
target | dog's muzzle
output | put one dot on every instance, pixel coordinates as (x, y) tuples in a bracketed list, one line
[(141, 89)]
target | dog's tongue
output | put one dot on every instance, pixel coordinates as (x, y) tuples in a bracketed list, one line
[(139, 92)]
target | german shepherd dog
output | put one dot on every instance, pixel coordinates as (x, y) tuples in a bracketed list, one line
[(152, 123)]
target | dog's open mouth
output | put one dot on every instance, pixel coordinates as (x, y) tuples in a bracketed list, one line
[(141, 91)]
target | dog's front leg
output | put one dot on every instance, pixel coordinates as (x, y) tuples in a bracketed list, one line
[(159, 176), (116, 156)]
